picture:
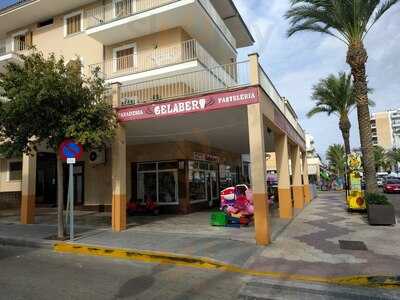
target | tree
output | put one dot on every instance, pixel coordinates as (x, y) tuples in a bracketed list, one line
[(334, 95), (336, 157), (381, 158), (394, 158), (46, 100), (349, 21)]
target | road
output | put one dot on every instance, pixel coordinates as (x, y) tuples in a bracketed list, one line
[(27, 273)]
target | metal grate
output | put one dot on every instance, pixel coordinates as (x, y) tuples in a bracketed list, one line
[(353, 245)]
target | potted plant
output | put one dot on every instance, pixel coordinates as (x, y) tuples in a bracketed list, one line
[(380, 210)]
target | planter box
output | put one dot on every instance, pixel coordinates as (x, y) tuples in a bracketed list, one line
[(381, 214)]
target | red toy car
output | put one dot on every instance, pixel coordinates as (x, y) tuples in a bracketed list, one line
[(392, 185)]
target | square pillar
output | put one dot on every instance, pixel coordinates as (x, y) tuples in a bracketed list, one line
[(306, 183), (28, 188), (118, 161), (297, 185), (282, 166), (258, 174), (118, 172)]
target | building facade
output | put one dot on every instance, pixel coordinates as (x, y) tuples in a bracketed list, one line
[(187, 109), (386, 129)]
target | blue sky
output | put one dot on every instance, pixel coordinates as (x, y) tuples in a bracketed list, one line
[(296, 64)]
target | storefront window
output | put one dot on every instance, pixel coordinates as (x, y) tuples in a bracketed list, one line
[(167, 182), (197, 185), (158, 181), (203, 181)]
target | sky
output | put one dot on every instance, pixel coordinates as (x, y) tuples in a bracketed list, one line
[(295, 64)]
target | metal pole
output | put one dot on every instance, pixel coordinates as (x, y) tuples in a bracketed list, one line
[(71, 204)]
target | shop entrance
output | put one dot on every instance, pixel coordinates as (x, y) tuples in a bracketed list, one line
[(79, 169), (46, 178), (212, 187)]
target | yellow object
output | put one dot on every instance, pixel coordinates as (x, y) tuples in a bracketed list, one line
[(355, 198)]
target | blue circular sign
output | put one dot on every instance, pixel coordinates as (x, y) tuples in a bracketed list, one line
[(70, 149)]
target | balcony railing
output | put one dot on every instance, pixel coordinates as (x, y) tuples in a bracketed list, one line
[(148, 59), (10, 46), (102, 14), (274, 95), (184, 85), (113, 11)]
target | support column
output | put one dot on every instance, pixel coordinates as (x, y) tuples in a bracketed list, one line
[(258, 173), (28, 189), (306, 183), (297, 185), (118, 161), (282, 166)]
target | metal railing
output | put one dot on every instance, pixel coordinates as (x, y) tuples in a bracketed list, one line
[(148, 59), (116, 10), (274, 95), (192, 83), (12, 45)]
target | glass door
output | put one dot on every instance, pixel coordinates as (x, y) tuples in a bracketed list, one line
[(212, 187)]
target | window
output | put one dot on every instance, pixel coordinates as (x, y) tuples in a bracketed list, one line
[(21, 40), (124, 8), (45, 23), (15, 170), (124, 57), (73, 23), (158, 182)]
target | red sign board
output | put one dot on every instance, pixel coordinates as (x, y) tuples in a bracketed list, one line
[(283, 124), (203, 103)]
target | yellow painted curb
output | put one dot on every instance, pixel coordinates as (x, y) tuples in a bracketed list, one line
[(206, 263)]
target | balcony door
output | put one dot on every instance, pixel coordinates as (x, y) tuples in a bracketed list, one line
[(123, 8), (124, 58)]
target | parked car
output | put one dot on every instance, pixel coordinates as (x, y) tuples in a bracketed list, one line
[(380, 181), (392, 185)]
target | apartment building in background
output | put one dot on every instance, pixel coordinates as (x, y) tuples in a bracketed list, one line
[(187, 109), (386, 129)]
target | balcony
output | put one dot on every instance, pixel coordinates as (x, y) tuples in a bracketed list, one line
[(9, 51), (213, 79), (149, 64), (124, 20)]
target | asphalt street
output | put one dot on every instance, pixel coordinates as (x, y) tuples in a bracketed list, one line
[(27, 273)]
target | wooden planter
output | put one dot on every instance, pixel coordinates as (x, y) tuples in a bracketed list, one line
[(381, 214)]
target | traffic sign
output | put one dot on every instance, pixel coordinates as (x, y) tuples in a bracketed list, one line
[(70, 149)]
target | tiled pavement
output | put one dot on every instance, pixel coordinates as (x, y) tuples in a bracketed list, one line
[(310, 244)]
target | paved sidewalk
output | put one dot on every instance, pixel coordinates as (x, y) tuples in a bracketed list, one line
[(310, 244)]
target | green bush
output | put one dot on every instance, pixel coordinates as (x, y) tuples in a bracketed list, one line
[(376, 199)]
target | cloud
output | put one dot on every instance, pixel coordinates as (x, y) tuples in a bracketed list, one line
[(295, 64)]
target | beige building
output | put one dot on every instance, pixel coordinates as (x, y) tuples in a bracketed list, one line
[(187, 109), (386, 129)]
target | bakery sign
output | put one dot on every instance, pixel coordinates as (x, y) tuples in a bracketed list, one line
[(189, 105)]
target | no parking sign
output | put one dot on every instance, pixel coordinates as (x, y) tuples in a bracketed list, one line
[(70, 151)]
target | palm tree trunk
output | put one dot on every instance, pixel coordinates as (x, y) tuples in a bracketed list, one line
[(357, 58), (345, 125)]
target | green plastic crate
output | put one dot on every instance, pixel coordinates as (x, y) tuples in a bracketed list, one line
[(219, 219)]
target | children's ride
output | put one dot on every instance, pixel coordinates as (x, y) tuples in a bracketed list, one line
[(237, 201), (355, 197)]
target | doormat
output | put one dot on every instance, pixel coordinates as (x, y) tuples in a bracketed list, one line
[(353, 245)]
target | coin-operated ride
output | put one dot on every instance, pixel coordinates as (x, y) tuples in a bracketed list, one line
[(355, 197)]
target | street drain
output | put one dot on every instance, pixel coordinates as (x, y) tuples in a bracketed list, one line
[(353, 245)]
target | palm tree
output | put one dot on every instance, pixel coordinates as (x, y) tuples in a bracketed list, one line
[(349, 21), (381, 158), (334, 95), (336, 157), (394, 158)]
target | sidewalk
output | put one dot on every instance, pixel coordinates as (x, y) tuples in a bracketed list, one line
[(310, 244)]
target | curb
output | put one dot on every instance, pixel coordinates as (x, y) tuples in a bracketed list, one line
[(207, 263), (31, 243)]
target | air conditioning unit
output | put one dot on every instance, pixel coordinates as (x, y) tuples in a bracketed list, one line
[(97, 156)]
